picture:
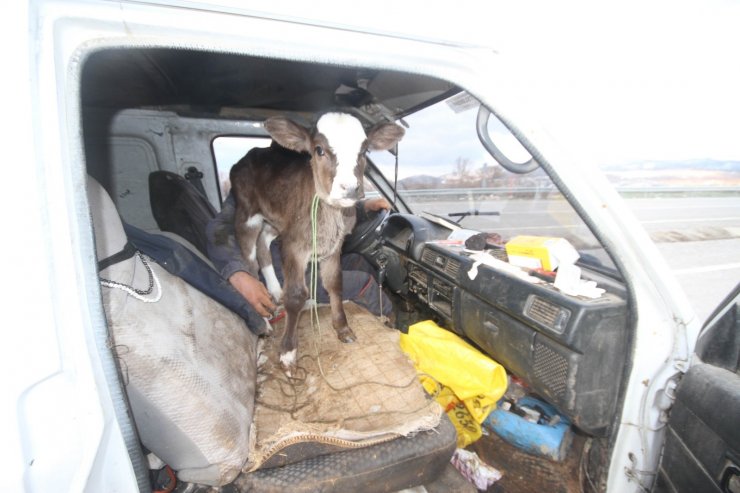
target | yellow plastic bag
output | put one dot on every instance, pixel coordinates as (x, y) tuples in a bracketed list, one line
[(468, 429), (474, 378)]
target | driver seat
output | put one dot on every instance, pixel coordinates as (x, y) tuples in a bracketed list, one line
[(189, 369)]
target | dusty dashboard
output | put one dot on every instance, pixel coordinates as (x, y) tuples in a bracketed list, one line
[(570, 349)]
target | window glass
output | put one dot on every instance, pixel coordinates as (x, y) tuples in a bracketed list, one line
[(228, 150), (690, 207), (445, 170), (688, 202)]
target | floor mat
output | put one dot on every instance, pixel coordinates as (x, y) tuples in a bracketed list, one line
[(341, 396), (527, 473)]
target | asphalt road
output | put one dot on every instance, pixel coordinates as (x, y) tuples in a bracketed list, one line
[(698, 236), (700, 240)]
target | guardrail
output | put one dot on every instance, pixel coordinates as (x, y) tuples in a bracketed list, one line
[(542, 192)]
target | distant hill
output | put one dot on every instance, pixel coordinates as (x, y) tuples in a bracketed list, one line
[(697, 172), (417, 182), (695, 164)]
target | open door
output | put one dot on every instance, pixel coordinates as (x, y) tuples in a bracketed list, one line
[(702, 447)]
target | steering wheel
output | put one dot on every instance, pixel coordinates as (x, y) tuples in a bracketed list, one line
[(365, 233)]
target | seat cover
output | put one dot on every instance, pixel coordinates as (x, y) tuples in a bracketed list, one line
[(188, 364), (341, 396)]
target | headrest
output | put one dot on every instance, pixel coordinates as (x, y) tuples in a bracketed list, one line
[(109, 235)]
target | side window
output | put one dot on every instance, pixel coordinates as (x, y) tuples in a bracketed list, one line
[(227, 151)]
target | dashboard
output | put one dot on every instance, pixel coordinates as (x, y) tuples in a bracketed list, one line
[(570, 349)]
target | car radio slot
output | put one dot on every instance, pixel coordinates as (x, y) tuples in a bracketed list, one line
[(433, 291), (440, 297), (418, 282)]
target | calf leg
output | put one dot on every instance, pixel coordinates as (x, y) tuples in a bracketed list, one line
[(248, 228), (264, 258), (331, 276), (294, 296)]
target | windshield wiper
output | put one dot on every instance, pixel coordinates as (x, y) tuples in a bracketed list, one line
[(473, 212)]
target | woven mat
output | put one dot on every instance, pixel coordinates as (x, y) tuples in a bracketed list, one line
[(352, 395)]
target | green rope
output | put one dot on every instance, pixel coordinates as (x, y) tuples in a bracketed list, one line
[(314, 260), (315, 322), (315, 325)]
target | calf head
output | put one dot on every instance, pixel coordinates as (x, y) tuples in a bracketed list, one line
[(337, 148)]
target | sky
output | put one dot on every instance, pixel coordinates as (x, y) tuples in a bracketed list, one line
[(437, 137), (634, 80)]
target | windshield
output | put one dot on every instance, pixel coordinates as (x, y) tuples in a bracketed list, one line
[(688, 206), (445, 170)]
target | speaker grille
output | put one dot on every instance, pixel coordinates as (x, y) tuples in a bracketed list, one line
[(551, 369)]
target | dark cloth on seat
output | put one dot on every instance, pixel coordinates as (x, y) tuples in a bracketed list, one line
[(178, 260)]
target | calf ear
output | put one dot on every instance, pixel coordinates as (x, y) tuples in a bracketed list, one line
[(384, 136), (288, 134)]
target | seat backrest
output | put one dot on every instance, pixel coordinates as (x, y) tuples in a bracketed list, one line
[(188, 363), (179, 207)]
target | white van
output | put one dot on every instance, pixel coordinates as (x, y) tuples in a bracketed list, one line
[(104, 95)]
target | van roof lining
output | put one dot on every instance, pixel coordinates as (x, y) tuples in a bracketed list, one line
[(225, 84)]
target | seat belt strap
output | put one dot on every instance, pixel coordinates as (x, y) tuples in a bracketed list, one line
[(129, 250)]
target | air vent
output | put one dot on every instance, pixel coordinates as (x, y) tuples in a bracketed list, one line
[(428, 256), (551, 369), (452, 267), (548, 314), (440, 262)]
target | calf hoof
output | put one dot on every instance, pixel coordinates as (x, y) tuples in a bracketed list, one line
[(288, 362), (345, 334)]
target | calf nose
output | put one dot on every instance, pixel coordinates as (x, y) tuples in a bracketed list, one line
[(349, 189), (346, 190)]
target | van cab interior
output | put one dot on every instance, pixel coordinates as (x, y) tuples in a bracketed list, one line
[(151, 110)]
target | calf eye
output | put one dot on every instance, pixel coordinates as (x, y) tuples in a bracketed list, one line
[(319, 151)]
